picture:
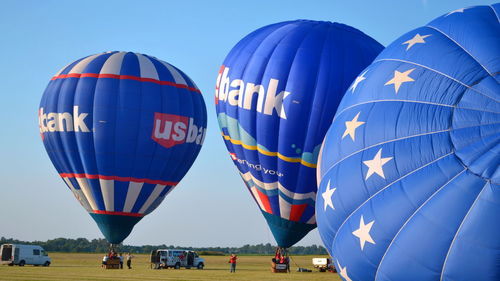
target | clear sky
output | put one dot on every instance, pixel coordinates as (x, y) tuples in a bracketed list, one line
[(211, 206)]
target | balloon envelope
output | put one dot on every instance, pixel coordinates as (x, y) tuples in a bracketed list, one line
[(275, 97), (414, 194), (121, 129)]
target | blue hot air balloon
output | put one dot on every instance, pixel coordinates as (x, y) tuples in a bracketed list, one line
[(275, 97), (121, 129), (409, 172)]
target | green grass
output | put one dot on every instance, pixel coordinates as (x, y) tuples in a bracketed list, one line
[(67, 266)]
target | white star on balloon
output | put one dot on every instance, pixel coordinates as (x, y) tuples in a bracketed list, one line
[(363, 233), (351, 126), (327, 197), (375, 165), (456, 11), (416, 40), (357, 81), (343, 272), (400, 78)]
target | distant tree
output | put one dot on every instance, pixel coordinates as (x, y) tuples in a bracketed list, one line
[(83, 245)]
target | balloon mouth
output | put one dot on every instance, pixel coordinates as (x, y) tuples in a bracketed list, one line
[(115, 228), (286, 232), (475, 129)]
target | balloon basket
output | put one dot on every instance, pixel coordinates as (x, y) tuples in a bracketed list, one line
[(280, 263), (113, 261), (113, 264), (279, 267)]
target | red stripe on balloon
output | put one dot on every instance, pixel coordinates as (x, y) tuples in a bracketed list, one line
[(297, 211), (128, 77), (117, 178), (265, 202), (117, 213)]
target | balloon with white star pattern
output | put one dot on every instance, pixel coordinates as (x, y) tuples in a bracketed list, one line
[(409, 170)]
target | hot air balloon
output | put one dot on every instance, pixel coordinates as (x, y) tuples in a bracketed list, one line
[(275, 97), (121, 129), (409, 171)]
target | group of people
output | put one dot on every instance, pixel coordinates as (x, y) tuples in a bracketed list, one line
[(280, 256), (113, 256)]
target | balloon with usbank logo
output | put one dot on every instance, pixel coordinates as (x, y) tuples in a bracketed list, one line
[(121, 129), (276, 94)]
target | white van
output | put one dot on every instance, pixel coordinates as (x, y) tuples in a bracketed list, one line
[(17, 254), (165, 258)]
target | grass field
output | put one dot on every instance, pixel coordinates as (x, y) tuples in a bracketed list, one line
[(87, 267)]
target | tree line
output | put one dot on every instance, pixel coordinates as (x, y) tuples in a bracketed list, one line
[(83, 245)]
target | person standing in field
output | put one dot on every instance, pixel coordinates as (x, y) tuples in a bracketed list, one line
[(232, 261), (104, 261), (129, 260), (121, 261)]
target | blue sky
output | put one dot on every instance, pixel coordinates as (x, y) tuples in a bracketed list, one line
[(211, 206)]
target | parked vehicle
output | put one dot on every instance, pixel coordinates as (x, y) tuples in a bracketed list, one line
[(324, 264), (17, 254), (165, 258)]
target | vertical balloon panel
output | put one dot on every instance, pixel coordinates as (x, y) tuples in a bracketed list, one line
[(121, 129), (276, 94)]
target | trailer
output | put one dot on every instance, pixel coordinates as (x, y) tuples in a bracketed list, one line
[(324, 264)]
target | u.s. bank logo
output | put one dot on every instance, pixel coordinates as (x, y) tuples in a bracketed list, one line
[(170, 130)]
